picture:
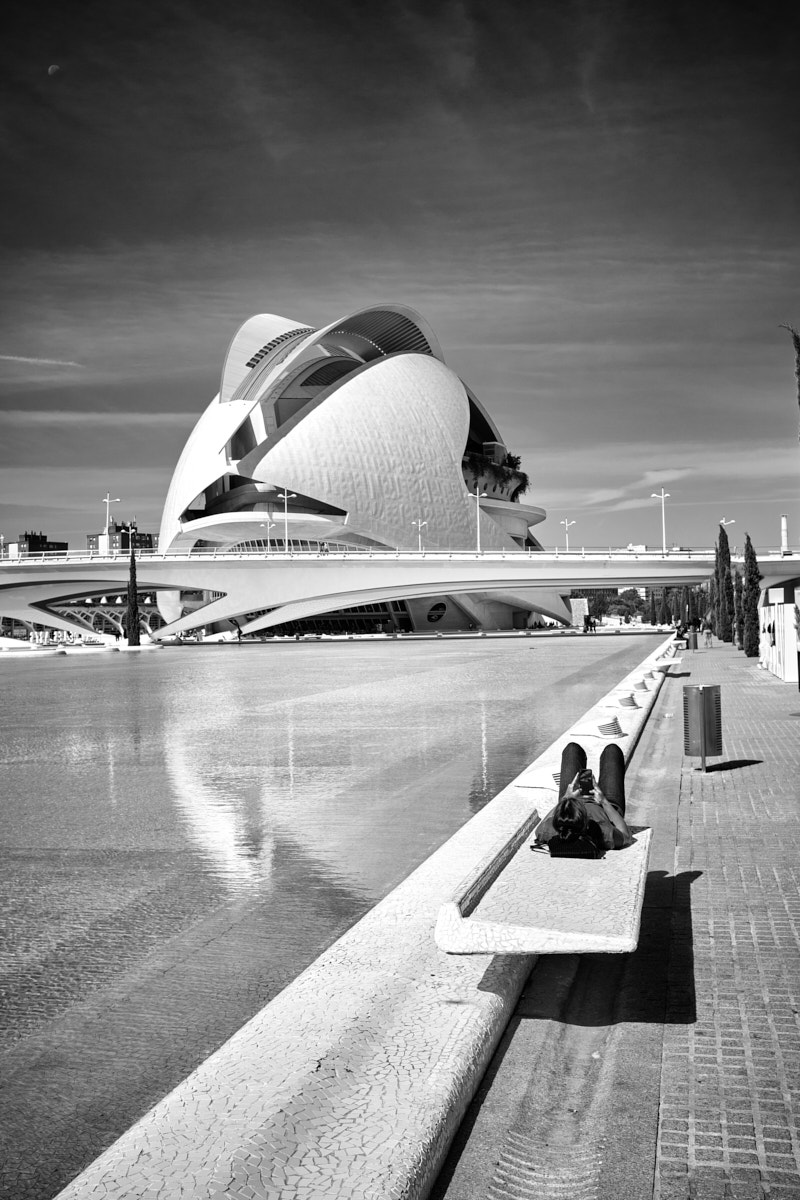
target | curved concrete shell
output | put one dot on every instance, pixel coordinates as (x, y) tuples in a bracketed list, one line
[(352, 434)]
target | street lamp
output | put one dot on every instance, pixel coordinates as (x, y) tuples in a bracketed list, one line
[(286, 497), (420, 525), (662, 496), (108, 502), (566, 523), (478, 497), (267, 525), (723, 522)]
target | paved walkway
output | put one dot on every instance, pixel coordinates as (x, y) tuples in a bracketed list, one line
[(674, 1073)]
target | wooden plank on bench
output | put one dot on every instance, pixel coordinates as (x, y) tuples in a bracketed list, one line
[(543, 905)]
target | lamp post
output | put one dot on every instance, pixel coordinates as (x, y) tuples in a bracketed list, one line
[(108, 502), (723, 522), (478, 497), (286, 497), (420, 525), (566, 523), (662, 496), (267, 525)]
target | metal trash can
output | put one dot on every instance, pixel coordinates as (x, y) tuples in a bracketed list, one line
[(691, 639), (702, 720)]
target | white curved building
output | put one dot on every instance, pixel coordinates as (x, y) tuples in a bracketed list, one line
[(356, 435)]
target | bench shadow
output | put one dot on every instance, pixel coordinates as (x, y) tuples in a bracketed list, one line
[(733, 763), (654, 984)]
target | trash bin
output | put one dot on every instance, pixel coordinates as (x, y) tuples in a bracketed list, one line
[(691, 639), (702, 720)]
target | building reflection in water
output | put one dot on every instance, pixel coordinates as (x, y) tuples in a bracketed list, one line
[(219, 803)]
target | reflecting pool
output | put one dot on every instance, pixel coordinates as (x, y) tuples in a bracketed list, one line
[(185, 830)]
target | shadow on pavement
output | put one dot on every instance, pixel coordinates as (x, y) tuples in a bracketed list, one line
[(567, 994), (653, 984), (733, 763)]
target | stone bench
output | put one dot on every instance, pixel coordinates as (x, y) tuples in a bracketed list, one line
[(526, 902)]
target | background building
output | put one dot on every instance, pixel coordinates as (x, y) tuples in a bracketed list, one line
[(120, 536), (31, 543)]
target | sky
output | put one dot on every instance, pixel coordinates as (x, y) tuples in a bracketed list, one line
[(594, 203)]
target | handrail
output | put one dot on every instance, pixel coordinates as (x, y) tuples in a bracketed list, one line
[(356, 553)]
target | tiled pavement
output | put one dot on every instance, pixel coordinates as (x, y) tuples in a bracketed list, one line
[(730, 1084), (674, 1075)]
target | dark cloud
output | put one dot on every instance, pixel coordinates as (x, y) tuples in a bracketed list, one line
[(594, 202)]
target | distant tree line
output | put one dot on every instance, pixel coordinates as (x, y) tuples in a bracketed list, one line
[(728, 603)]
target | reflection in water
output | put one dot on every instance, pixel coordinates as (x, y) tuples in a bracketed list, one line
[(214, 803)]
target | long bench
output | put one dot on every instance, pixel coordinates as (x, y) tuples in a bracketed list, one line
[(536, 904), (524, 902)]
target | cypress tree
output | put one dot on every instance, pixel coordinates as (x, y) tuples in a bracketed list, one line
[(752, 592), (724, 588), (712, 602), (738, 601), (652, 613), (663, 610), (715, 588), (132, 616)]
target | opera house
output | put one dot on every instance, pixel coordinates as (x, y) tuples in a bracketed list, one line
[(353, 437)]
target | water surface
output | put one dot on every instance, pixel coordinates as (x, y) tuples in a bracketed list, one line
[(183, 831)]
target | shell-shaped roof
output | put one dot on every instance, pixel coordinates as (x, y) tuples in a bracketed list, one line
[(363, 415)]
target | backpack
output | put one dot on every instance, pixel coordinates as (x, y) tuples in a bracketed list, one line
[(581, 847)]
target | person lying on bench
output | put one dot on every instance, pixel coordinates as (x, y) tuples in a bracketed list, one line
[(590, 816)]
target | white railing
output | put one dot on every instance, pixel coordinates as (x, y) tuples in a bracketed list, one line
[(360, 552)]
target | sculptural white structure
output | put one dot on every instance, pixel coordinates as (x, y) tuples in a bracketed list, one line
[(348, 436)]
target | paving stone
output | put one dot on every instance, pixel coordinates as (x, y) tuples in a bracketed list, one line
[(738, 825)]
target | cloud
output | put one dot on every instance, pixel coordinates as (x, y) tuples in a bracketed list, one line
[(112, 420), (67, 503), (728, 470), (41, 362)]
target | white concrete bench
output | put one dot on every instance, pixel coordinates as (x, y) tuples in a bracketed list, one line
[(535, 904)]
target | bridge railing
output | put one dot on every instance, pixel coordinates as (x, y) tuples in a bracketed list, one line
[(584, 552)]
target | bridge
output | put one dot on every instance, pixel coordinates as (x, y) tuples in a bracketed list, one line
[(300, 584), (297, 584)]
